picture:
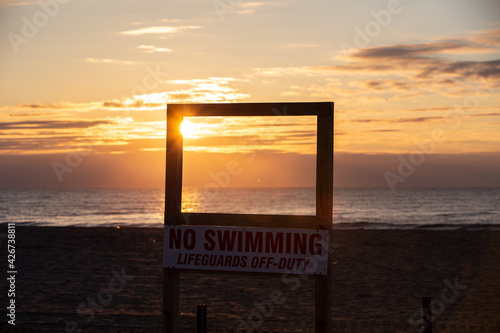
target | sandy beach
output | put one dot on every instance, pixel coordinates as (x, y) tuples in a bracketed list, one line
[(111, 277)]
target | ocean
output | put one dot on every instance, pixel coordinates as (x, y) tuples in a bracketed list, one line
[(354, 208), (390, 251)]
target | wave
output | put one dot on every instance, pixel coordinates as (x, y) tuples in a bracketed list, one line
[(455, 226), (466, 214), (415, 226)]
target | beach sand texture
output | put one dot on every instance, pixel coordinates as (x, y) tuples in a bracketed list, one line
[(377, 274)]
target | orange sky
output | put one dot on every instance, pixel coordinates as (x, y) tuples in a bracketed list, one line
[(85, 86)]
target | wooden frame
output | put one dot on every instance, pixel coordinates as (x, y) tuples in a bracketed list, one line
[(324, 193)]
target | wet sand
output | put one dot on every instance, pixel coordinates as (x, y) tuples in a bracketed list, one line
[(107, 278)]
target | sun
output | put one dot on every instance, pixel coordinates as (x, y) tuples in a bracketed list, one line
[(188, 129)]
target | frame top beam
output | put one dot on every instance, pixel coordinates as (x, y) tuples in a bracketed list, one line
[(252, 109)]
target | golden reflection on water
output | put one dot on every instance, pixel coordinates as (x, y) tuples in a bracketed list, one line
[(191, 200), (288, 201)]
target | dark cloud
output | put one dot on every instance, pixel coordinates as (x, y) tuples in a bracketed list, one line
[(491, 37), (397, 120), (36, 143), (384, 84), (408, 51), (434, 108), (30, 114), (426, 59), (34, 106), (226, 140), (51, 124), (447, 108), (364, 120), (384, 130), (112, 104), (437, 170), (274, 125), (55, 106), (493, 114), (299, 134), (180, 96), (415, 120), (252, 141), (147, 169)]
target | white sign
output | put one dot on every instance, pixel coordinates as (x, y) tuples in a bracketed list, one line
[(265, 250)]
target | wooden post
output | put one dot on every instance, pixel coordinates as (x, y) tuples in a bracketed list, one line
[(404, 326), (324, 211), (495, 325), (337, 325), (427, 314), (449, 325), (201, 318), (173, 191), (303, 326)]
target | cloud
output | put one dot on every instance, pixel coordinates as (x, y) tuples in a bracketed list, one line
[(384, 130), (415, 120), (226, 140), (290, 71), (39, 144), (51, 124), (159, 30), (493, 114), (448, 170), (412, 51), (52, 106), (170, 20), (401, 71), (152, 48), (397, 120), (140, 116), (251, 7), (144, 102), (424, 60), (351, 169), (382, 85), (30, 114), (255, 4), (210, 90), (443, 108), (230, 134), (109, 61), (489, 37), (15, 3), (300, 45), (112, 104)]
